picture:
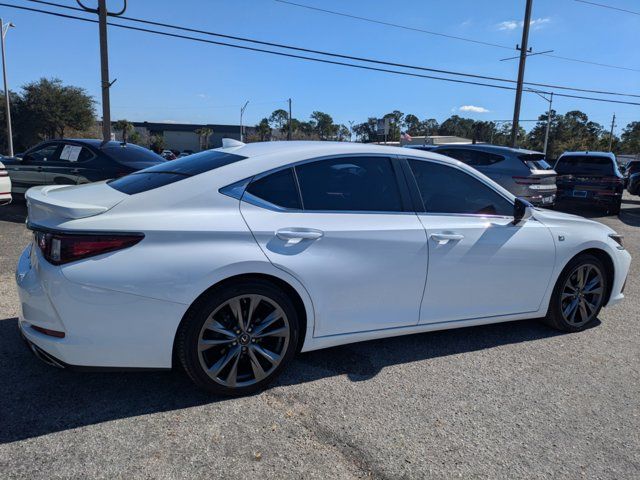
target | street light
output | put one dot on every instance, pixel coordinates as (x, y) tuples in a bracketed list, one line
[(546, 134), (241, 127), (5, 29)]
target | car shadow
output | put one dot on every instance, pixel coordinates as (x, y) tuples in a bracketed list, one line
[(15, 212), (36, 399)]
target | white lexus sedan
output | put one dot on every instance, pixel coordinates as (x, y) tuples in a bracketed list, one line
[(229, 261), (5, 186)]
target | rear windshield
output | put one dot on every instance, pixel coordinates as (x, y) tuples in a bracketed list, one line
[(585, 165), (535, 161), (130, 154), (173, 171), (633, 167)]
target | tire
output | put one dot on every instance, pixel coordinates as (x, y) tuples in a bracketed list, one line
[(241, 357), (615, 208), (563, 315)]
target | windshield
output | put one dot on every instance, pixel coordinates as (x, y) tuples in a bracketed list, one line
[(535, 161), (173, 171), (585, 165)]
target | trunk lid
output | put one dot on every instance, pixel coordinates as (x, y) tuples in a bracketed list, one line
[(52, 204)]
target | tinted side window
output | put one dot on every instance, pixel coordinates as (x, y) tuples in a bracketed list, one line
[(43, 154), (446, 189), (278, 188), (349, 184)]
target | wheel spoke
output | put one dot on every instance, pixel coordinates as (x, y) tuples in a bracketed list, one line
[(232, 378), (207, 344), (278, 332), (269, 355), (236, 309), (583, 311), (217, 327), (268, 321), (217, 367), (580, 277), (258, 371), (566, 295), (254, 301), (570, 308)]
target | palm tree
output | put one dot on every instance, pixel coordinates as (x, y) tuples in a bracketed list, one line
[(204, 134), (125, 126)]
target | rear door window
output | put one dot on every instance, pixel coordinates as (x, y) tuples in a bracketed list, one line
[(474, 158), (173, 171), (46, 153), (585, 165), (278, 188), (349, 184)]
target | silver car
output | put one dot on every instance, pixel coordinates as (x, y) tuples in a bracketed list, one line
[(524, 173)]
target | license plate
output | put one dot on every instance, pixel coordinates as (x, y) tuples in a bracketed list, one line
[(579, 193), (547, 200)]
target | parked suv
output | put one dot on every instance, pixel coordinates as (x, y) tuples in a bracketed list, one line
[(524, 173), (590, 178)]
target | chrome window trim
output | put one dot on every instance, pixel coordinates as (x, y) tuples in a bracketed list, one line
[(258, 202)]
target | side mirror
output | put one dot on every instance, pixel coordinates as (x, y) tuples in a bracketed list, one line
[(522, 211)]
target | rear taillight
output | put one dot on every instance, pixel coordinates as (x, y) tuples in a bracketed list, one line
[(527, 180), (60, 248)]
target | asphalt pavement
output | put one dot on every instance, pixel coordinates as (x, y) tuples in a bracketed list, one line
[(513, 400)]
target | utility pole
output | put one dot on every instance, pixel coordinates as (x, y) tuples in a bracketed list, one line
[(103, 13), (5, 29), (546, 134), (241, 115), (613, 124), (289, 132), (523, 59)]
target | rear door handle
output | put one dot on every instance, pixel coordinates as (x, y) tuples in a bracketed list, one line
[(443, 238), (299, 234)]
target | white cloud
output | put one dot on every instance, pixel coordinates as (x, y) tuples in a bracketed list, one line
[(536, 23), (203, 95), (473, 108)]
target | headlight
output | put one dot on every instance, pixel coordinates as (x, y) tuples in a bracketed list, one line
[(618, 239)]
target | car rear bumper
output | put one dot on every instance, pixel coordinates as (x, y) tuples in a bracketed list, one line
[(95, 327), (542, 200)]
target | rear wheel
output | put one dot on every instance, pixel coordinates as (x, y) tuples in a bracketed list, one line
[(578, 295), (615, 208), (239, 338)]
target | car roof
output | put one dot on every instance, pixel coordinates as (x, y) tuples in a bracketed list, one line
[(589, 153), (487, 147)]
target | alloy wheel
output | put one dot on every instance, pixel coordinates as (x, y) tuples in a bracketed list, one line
[(244, 340), (582, 295)]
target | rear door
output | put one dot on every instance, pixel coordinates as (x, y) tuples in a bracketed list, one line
[(70, 165), (480, 263), (344, 228)]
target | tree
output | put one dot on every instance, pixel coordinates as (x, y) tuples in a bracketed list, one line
[(323, 125), (343, 134), (48, 108), (395, 124), (630, 138), (156, 143), (412, 124), (279, 119), (264, 130), (125, 127), (366, 131), (203, 137), (14, 99)]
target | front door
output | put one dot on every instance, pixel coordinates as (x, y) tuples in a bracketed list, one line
[(346, 234), (31, 171), (480, 263)]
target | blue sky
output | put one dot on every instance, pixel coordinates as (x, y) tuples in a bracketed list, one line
[(166, 79)]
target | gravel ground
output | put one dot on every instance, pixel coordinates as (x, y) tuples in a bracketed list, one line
[(514, 400)]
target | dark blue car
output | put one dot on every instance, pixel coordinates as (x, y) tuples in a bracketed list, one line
[(76, 161)]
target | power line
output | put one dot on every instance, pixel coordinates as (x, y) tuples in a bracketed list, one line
[(464, 39), (302, 57), (349, 57), (611, 7)]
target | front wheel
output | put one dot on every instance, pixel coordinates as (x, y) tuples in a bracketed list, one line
[(578, 294), (615, 208), (239, 338)]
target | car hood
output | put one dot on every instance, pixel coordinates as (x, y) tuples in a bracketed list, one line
[(553, 218)]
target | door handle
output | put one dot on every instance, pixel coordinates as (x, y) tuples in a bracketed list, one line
[(299, 234), (75, 170), (39, 169), (443, 238)]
